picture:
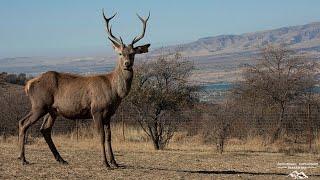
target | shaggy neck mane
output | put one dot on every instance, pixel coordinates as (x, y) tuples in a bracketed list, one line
[(121, 81)]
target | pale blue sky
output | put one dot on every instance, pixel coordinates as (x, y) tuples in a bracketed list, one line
[(75, 27)]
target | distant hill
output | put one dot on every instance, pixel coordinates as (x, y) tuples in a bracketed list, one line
[(303, 37), (217, 58)]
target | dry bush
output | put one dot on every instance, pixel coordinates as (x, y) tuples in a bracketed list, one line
[(159, 94), (13, 106), (278, 97)]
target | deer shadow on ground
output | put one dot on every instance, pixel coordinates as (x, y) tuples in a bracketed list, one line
[(217, 172)]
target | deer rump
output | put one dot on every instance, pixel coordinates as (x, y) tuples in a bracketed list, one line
[(73, 96)]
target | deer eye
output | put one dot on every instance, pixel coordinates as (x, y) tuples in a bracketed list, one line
[(120, 54)]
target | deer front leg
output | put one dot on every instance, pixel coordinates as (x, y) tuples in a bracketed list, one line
[(109, 147), (97, 118)]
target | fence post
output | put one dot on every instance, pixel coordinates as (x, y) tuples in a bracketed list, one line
[(77, 130), (310, 127), (123, 136)]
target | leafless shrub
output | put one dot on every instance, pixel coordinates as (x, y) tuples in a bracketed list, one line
[(159, 94), (19, 79), (278, 83)]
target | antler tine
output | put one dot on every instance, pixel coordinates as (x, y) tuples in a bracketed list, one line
[(144, 22), (121, 40), (109, 31)]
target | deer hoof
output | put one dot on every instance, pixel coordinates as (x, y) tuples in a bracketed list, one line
[(108, 167), (114, 164), (24, 162), (61, 161)]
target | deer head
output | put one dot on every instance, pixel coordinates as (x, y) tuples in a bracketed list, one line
[(126, 53)]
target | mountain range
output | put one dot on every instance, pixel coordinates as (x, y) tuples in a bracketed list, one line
[(217, 58), (303, 37)]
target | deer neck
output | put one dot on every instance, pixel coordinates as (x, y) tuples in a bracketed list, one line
[(122, 80)]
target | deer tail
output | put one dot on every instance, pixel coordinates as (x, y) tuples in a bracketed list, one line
[(29, 85)]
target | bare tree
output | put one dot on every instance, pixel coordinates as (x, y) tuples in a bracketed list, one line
[(159, 93), (216, 125), (278, 78)]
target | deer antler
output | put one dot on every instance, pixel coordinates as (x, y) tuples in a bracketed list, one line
[(144, 22), (109, 31)]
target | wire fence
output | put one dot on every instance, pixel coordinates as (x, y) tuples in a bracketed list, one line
[(205, 120)]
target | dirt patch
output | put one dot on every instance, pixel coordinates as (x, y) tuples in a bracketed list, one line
[(139, 161)]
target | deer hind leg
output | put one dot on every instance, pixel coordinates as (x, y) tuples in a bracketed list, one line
[(98, 121), (24, 125), (21, 122), (109, 147), (46, 129)]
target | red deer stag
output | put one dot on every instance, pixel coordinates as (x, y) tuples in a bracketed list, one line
[(76, 97)]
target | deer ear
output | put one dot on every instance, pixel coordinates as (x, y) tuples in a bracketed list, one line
[(142, 49)]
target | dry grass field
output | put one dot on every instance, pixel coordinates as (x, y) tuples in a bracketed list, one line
[(183, 159)]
